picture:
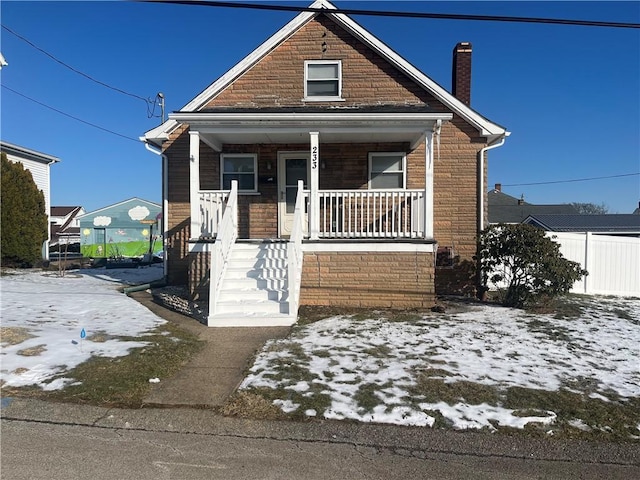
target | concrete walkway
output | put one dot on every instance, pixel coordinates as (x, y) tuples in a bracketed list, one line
[(217, 370)]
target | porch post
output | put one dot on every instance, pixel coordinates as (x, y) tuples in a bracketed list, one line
[(428, 186), (314, 198), (194, 183)]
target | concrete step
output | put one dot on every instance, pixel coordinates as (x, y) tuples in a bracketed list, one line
[(252, 307), (244, 320)]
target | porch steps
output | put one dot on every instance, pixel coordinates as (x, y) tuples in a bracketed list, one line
[(254, 289)]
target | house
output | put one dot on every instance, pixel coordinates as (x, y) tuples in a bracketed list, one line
[(64, 225), (323, 169), (127, 229), (39, 165), (626, 224), (504, 208)]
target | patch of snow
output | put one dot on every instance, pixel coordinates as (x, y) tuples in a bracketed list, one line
[(63, 314), (287, 406), (493, 346)]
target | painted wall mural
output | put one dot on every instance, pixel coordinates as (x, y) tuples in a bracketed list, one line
[(128, 229)]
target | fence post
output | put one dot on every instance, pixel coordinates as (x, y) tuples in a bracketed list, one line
[(587, 252)]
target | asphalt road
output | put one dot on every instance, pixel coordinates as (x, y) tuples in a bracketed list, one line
[(52, 441)]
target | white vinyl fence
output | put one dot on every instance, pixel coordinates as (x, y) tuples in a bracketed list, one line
[(613, 262)]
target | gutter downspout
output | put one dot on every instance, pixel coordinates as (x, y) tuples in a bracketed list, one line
[(480, 290), (165, 202), (481, 167)]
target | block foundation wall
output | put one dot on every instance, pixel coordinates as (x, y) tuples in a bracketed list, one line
[(396, 280)]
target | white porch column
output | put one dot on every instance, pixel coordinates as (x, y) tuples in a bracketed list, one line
[(194, 183), (314, 198), (428, 186)]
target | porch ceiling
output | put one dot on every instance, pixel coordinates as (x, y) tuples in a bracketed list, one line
[(240, 128)]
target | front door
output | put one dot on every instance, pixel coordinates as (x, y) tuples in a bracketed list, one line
[(292, 166)]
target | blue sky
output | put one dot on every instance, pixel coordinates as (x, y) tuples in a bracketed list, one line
[(570, 95)]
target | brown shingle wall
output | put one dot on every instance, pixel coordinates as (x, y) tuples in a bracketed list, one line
[(179, 213), (369, 279), (199, 267), (278, 78)]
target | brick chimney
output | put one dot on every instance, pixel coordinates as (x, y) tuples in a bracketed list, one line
[(498, 187), (461, 74)]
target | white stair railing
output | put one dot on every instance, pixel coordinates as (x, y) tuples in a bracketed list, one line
[(295, 255), (212, 205), (226, 237)]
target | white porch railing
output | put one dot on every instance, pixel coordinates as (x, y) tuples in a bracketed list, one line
[(372, 214), (225, 238), (212, 205), (295, 255)]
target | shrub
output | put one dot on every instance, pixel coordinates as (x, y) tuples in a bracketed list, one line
[(525, 265), (24, 217)]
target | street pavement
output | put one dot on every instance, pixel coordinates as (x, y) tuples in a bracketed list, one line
[(59, 441)]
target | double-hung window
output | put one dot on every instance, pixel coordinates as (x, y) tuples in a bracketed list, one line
[(387, 170), (323, 80), (240, 167)]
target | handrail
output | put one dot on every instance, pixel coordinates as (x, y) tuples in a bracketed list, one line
[(371, 213), (226, 236), (212, 204), (295, 256)]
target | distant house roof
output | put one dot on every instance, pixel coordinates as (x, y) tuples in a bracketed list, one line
[(63, 211), (610, 223), (27, 153), (504, 208)]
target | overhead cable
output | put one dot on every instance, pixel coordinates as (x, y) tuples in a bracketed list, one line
[(438, 16), (71, 116), (570, 181)]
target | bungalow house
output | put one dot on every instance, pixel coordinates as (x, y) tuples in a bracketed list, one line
[(323, 169), (38, 164)]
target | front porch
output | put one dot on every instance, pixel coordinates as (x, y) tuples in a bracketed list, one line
[(356, 219)]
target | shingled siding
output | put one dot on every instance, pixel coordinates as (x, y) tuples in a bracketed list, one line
[(368, 279), (278, 79)]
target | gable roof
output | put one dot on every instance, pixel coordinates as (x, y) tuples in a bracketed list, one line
[(608, 223), (58, 211), (27, 153), (130, 200), (504, 208), (486, 128)]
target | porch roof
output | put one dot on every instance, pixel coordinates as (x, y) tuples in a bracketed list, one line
[(383, 123)]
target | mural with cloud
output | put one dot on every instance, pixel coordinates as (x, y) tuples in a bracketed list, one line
[(139, 213)]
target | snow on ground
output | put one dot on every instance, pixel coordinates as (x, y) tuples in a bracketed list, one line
[(51, 324), (596, 355)]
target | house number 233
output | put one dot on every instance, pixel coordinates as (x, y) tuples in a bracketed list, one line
[(314, 157)]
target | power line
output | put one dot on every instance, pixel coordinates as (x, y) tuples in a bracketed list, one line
[(439, 16), (71, 116), (569, 181), (75, 70)]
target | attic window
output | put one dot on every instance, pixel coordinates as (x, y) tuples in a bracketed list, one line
[(322, 80)]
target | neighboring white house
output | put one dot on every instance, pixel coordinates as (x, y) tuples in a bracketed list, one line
[(38, 164)]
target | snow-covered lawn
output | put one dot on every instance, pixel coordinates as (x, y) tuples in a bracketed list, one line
[(376, 370), (51, 324)]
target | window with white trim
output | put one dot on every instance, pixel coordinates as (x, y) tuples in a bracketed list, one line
[(387, 170), (323, 80), (241, 167)]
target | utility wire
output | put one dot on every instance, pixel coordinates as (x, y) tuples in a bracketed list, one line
[(569, 181), (71, 116), (440, 16), (75, 70)]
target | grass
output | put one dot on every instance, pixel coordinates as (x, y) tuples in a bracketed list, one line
[(122, 381), (583, 410)]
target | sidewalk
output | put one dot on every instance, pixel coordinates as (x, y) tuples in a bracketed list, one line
[(217, 370)]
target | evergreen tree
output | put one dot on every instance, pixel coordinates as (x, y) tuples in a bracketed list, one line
[(24, 217)]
